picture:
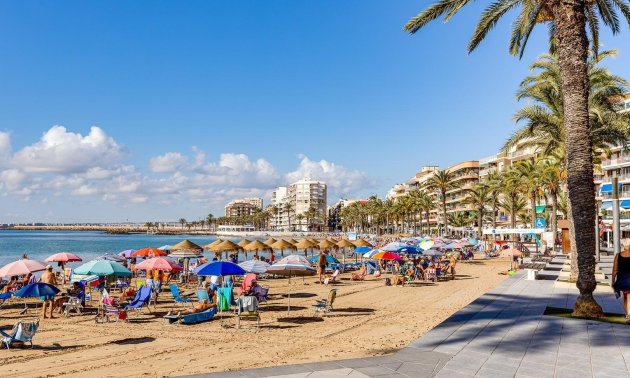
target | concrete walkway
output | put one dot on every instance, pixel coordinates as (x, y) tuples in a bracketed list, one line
[(501, 334)]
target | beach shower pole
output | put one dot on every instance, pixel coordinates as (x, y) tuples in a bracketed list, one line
[(616, 223)]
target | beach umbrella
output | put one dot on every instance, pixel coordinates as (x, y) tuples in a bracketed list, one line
[(225, 246), (37, 289), (187, 245), (21, 267), (110, 257), (63, 257), (329, 259), (292, 241), (291, 266), (345, 243), (270, 241), (186, 254), (432, 252), (362, 243), (325, 244), (148, 252), (361, 250), (410, 250), (254, 266), (166, 247), (216, 242), (256, 245), (282, 245), (305, 244), (244, 242), (393, 247), (103, 268), (450, 246), (158, 263), (386, 255), (219, 268), (368, 255), (127, 253), (427, 244)]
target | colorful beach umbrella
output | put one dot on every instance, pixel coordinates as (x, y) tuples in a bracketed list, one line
[(127, 253), (37, 289), (291, 266), (329, 259), (410, 250), (158, 263), (148, 252), (103, 268), (63, 257), (393, 247), (219, 268), (21, 267), (369, 254), (432, 252), (166, 247), (386, 255), (361, 250)]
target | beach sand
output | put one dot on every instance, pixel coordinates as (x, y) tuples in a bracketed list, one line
[(369, 319)]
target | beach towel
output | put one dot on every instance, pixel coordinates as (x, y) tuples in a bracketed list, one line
[(247, 304), (225, 298)]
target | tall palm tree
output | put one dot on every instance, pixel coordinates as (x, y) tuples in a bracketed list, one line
[(310, 214), (479, 196), (515, 206), (494, 183), (551, 179), (209, 220), (182, 221), (442, 182), (289, 209), (568, 22)]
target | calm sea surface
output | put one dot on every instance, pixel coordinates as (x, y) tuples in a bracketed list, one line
[(86, 244)]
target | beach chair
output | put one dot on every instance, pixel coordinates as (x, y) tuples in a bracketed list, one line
[(73, 304), (176, 295), (139, 283), (332, 278), (203, 294), (142, 299), (247, 309), (23, 332), (325, 306), (5, 297)]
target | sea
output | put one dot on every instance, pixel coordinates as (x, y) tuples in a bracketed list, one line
[(86, 244)]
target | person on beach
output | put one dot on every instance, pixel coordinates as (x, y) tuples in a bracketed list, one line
[(452, 262), (50, 278), (11, 285), (621, 276), (321, 266), (199, 307)]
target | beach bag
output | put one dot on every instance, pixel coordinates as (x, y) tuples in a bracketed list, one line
[(122, 315), (388, 281)]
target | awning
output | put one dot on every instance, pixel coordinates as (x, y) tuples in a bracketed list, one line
[(625, 204), (607, 188), (606, 205)]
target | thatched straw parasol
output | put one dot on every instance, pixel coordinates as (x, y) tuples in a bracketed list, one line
[(244, 242), (270, 241), (325, 244), (282, 245), (186, 245), (226, 246), (292, 241), (362, 243), (257, 245), (305, 243), (211, 245), (345, 243)]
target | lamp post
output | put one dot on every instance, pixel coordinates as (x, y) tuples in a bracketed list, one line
[(616, 223)]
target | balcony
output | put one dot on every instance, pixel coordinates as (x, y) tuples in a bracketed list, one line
[(608, 163)]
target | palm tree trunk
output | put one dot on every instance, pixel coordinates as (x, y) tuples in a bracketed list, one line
[(479, 224), (554, 217), (532, 203), (572, 45), (444, 213)]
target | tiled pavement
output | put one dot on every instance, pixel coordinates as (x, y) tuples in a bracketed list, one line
[(501, 334)]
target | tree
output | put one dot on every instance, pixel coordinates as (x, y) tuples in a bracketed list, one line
[(310, 215), (442, 182), (529, 172), (182, 221), (551, 178), (300, 217), (289, 209), (494, 182), (209, 220), (148, 225), (478, 197), (567, 21)]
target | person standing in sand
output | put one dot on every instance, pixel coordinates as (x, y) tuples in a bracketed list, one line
[(321, 266), (451, 263), (48, 277), (621, 276)]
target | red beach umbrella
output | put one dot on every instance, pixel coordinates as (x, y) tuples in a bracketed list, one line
[(21, 267), (385, 255), (158, 263), (148, 252), (63, 257)]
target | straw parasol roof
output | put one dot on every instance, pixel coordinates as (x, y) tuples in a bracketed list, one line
[(186, 244), (256, 245), (227, 245), (282, 244), (313, 240), (305, 243), (270, 241), (244, 242), (345, 243), (292, 241), (216, 242), (362, 243), (327, 244)]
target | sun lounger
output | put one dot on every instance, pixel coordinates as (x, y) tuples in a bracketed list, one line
[(332, 278), (23, 332), (203, 294), (73, 304), (5, 297), (199, 317), (247, 309), (325, 306), (176, 295), (142, 299)]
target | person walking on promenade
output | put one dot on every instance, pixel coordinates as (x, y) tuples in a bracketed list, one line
[(621, 276)]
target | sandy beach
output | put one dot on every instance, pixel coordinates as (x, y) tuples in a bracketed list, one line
[(369, 319)]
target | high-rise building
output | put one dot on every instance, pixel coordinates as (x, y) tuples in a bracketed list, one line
[(243, 207), (279, 200), (309, 199)]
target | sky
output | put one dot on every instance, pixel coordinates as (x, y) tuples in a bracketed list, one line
[(157, 110)]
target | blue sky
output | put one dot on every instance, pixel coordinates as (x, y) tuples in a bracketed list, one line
[(202, 101)]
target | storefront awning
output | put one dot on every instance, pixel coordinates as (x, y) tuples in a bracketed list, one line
[(607, 188), (606, 205)]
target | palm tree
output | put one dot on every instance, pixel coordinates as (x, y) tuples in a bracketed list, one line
[(288, 208), (441, 182), (300, 217), (310, 215), (494, 182), (209, 220), (478, 197), (182, 221), (551, 178), (148, 225), (529, 172), (459, 219), (514, 205), (543, 117), (567, 21)]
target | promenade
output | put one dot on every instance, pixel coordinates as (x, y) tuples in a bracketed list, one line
[(501, 334)]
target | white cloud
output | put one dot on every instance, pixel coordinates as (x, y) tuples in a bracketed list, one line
[(5, 147), (85, 190), (60, 151), (168, 163), (340, 180)]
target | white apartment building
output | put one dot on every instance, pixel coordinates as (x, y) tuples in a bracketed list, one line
[(306, 194), (280, 218)]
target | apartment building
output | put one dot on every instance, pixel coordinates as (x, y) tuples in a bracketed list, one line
[(304, 195), (280, 218), (243, 207)]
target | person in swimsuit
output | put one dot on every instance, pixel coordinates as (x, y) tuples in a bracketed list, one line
[(621, 276)]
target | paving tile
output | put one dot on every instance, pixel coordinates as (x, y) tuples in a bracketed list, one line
[(573, 373), (447, 373), (492, 373), (344, 372), (299, 375), (374, 371)]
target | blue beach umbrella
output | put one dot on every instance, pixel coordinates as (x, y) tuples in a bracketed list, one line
[(393, 247), (329, 259), (362, 250), (410, 250), (219, 268), (103, 268), (368, 255), (38, 289)]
